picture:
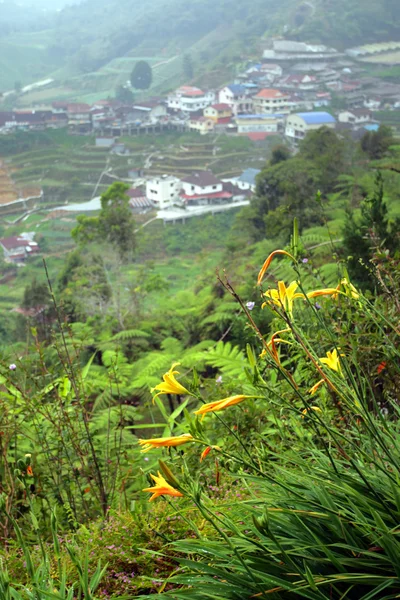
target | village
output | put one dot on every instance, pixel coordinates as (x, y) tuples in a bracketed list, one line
[(294, 88)]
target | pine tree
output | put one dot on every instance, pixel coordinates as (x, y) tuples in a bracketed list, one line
[(142, 75)]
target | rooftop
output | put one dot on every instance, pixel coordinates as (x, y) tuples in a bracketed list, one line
[(316, 118), (201, 178), (237, 89), (11, 243), (221, 106), (187, 90), (270, 94), (249, 176)]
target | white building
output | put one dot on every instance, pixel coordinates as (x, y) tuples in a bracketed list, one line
[(237, 97), (258, 123), (270, 101), (190, 99), (201, 183), (163, 191), (299, 124), (355, 116)]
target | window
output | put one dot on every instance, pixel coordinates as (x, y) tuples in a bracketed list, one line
[(214, 187), (154, 191)]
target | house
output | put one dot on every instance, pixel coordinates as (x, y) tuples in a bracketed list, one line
[(18, 248), (138, 200), (292, 51), (355, 116), (216, 112), (202, 125), (79, 117), (202, 187), (272, 70), (299, 82), (258, 123), (105, 142), (163, 191), (247, 180), (270, 101), (299, 124), (238, 193), (189, 99), (149, 111), (237, 97)]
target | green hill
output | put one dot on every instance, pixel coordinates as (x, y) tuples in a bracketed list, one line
[(86, 39)]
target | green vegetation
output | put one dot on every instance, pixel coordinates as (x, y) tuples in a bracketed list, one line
[(212, 36), (271, 453), (142, 75)]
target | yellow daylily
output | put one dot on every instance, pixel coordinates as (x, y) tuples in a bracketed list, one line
[(284, 296), (267, 263), (332, 361), (349, 289), (323, 292), (316, 387), (221, 404), (165, 442), (272, 345), (307, 410), (162, 488), (170, 384)]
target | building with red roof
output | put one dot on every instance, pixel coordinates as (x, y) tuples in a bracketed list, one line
[(271, 101), (219, 111), (190, 100), (18, 248)]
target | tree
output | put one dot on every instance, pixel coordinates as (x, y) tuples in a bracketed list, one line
[(142, 75), (124, 95), (114, 225), (377, 143), (328, 153), (188, 70), (279, 154), (363, 237)]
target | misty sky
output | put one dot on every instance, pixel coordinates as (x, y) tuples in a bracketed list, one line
[(50, 4)]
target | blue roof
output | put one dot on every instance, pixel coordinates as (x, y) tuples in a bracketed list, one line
[(316, 118), (237, 89), (372, 127), (264, 116), (249, 176)]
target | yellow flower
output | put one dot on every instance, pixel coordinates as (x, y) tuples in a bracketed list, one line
[(170, 384), (316, 387), (306, 410), (332, 361), (207, 451), (221, 404), (284, 296), (349, 289), (270, 258), (323, 292), (162, 488), (165, 442), (272, 345)]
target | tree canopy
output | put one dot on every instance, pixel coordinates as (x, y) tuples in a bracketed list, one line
[(142, 75)]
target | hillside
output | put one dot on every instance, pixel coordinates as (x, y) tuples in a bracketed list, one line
[(85, 39)]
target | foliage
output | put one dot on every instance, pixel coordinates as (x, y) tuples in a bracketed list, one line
[(123, 94), (364, 237), (141, 76), (377, 143), (115, 224)]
